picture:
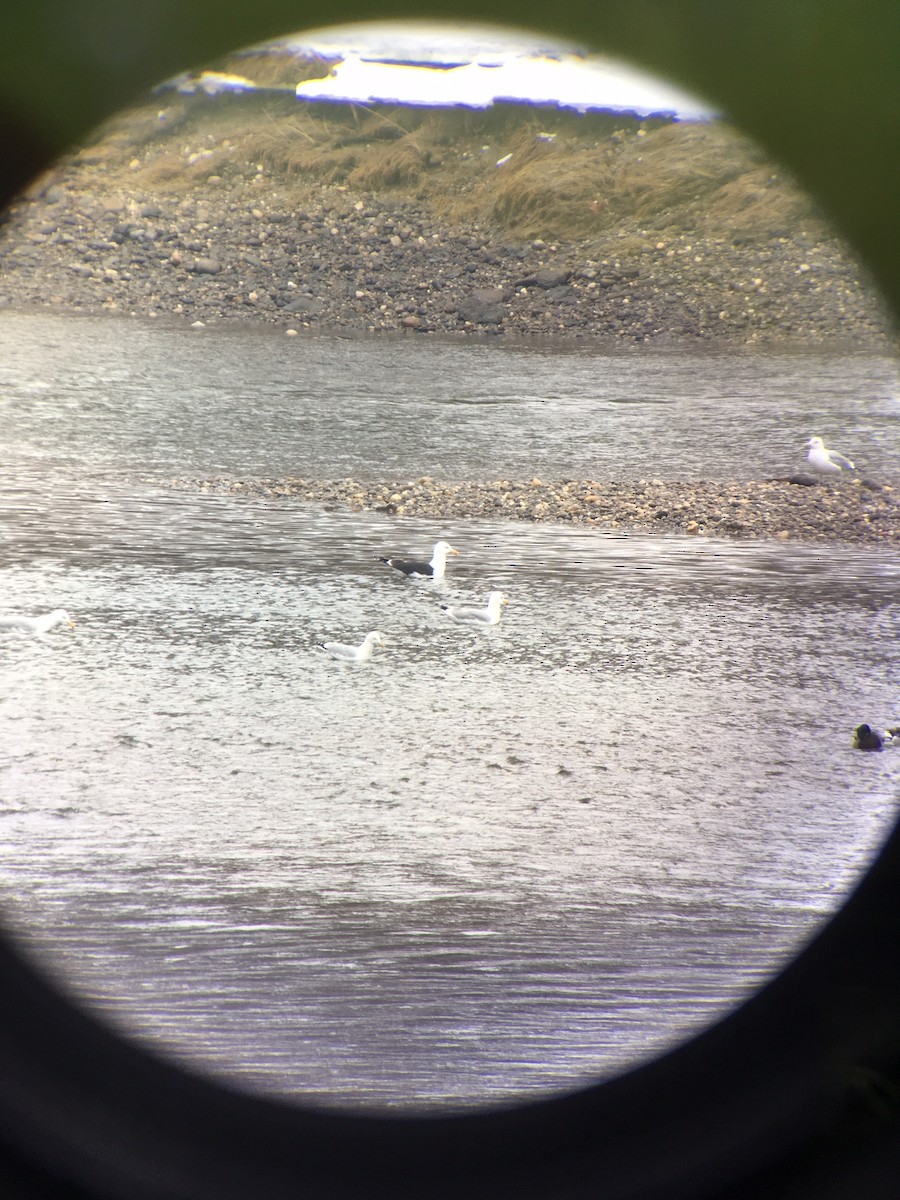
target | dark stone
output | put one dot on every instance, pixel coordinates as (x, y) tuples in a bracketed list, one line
[(305, 304), (479, 313), (551, 278), (531, 281), (204, 266), (490, 295), (803, 480)]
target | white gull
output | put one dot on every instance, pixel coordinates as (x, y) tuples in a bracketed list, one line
[(825, 461), (490, 615), (361, 653), (35, 625)]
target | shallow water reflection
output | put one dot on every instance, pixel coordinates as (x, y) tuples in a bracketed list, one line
[(489, 862)]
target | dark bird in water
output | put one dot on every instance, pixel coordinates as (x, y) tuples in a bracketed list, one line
[(866, 738), (430, 570)]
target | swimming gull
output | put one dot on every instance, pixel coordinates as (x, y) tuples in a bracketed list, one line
[(35, 625), (431, 570), (361, 653), (825, 461), (490, 615)]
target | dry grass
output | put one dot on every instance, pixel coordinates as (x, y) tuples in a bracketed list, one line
[(673, 176), (274, 70), (569, 177), (398, 166)]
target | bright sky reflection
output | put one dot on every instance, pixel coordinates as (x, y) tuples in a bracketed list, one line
[(475, 66)]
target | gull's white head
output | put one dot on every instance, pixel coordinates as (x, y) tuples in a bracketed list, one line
[(815, 443), (61, 615), (444, 548)]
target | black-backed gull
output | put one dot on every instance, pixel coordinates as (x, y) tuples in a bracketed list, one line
[(431, 570)]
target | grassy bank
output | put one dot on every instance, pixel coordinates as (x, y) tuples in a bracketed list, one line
[(594, 178), (514, 221)]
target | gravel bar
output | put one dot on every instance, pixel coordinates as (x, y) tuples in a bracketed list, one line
[(802, 508)]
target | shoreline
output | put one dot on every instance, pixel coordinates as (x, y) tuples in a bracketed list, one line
[(853, 511), (559, 343), (601, 345), (65, 252), (685, 238)]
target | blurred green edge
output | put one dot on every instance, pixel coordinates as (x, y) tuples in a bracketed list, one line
[(816, 81)]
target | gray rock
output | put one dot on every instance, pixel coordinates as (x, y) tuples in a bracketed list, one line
[(480, 313), (204, 266), (305, 304), (552, 278), (803, 480), (490, 295), (560, 295), (547, 277)]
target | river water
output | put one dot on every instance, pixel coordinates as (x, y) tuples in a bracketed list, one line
[(487, 864)]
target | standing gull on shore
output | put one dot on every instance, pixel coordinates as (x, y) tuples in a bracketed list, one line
[(825, 461), (36, 625), (434, 569), (361, 653), (490, 615)]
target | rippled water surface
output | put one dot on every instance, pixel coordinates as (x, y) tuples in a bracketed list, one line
[(256, 403), (487, 862)]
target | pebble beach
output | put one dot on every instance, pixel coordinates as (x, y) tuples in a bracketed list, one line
[(802, 508)]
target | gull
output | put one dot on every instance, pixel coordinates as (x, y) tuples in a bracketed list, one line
[(825, 461), (432, 570), (35, 625), (361, 653), (490, 615)]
